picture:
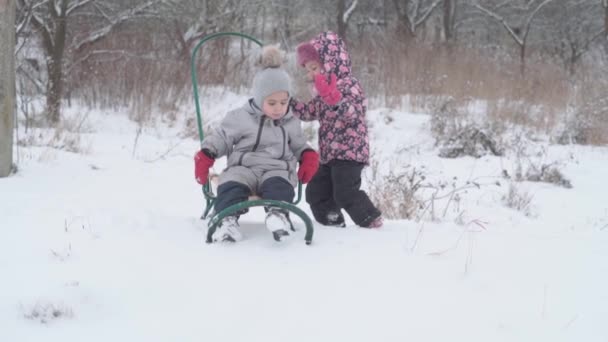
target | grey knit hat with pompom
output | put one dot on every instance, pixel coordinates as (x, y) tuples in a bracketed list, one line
[(272, 78)]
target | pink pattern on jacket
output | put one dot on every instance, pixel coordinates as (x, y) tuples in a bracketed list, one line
[(343, 132)]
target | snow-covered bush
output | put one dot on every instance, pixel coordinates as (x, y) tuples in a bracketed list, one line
[(547, 173), (459, 135), (588, 125), (67, 135), (531, 164), (518, 199), (395, 193), (46, 312)]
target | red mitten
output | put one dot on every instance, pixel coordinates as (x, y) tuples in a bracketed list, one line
[(202, 164), (309, 164), (328, 90)]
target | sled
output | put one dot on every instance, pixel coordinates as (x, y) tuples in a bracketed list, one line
[(216, 218)]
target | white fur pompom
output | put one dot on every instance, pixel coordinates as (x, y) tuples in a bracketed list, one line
[(271, 57)]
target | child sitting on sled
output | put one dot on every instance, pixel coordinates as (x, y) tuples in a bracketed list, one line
[(263, 142)]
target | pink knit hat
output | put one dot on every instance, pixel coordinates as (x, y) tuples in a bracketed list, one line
[(306, 52)]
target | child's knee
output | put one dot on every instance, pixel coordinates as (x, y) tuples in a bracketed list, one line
[(342, 198), (277, 188), (233, 187)]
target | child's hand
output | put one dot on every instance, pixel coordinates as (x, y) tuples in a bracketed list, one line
[(202, 164), (309, 164), (328, 90)]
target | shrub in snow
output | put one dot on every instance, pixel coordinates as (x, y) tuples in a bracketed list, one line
[(47, 312), (531, 165), (548, 173), (395, 193), (588, 125), (469, 141), (458, 135), (518, 200), (67, 135), (57, 138)]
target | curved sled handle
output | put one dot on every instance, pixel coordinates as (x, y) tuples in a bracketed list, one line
[(206, 188), (194, 76)]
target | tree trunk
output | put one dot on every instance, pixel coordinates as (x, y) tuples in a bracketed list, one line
[(55, 69), (605, 3), (340, 19), (572, 65), (522, 59), (7, 85), (54, 88), (449, 14), (404, 31), (53, 37), (606, 19)]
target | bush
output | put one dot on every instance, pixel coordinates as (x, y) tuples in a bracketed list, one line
[(518, 200), (395, 193), (458, 134), (588, 126), (47, 312)]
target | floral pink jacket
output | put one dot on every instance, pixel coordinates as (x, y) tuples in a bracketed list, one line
[(343, 130)]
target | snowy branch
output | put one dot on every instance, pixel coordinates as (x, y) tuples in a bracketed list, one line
[(532, 15), (35, 81), (42, 26), (501, 20), (77, 5), (520, 39), (114, 22), (587, 44), (413, 14), (428, 13), (115, 56), (349, 11)]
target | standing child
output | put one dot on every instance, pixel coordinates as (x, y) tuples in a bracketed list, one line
[(263, 142), (340, 107)]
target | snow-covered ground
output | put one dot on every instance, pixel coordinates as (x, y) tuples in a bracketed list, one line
[(106, 245)]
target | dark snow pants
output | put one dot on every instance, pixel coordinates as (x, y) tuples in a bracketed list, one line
[(274, 188), (335, 186)]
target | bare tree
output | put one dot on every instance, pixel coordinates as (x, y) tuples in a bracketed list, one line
[(449, 20), (605, 4), (519, 31), (7, 85), (344, 16), (577, 25), (413, 13), (51, 20), (188, 21)]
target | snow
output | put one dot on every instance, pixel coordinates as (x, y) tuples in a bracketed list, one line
[(108, 245)]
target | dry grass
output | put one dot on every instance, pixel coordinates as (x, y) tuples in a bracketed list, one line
[(420, 77), (588, 120), (413, 77), (396, 194), (460, 73), (518, 199), (45, 312), (68, 135)]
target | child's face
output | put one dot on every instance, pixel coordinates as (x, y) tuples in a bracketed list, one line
[(312, 69), (275, 105)]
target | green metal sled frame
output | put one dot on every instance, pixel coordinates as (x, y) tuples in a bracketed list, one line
[(207, 191)]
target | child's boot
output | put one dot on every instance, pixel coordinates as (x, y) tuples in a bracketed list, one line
[(376, 223), (228, 230), (335, 219), (278, 223)]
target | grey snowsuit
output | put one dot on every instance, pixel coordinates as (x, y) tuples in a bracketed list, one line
[(258, 148)]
